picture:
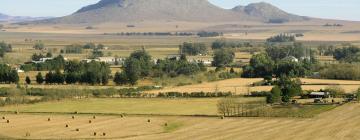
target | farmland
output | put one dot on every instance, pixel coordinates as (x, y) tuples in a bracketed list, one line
[(329, 125)]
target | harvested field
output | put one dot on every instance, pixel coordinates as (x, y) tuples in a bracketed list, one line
[(340, 123), (241, 86), (182, 106)]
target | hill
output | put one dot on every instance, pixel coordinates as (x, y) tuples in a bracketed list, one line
[(268, 12), (169, 10), (7, 18)]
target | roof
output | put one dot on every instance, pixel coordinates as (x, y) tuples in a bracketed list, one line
[(319, 93)]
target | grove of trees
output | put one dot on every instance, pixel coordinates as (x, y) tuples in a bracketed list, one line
[(193, 48)]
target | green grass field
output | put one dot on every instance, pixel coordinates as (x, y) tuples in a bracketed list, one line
[(158, 106)]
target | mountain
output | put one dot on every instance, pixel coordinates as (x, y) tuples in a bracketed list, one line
[(7, 18), (268, 12), (169, 10)]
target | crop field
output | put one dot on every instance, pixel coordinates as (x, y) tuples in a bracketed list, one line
[(242, 86), (334, 124), (192, 106)]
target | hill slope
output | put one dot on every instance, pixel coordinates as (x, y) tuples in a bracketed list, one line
[(150, 10), (7, 18), (170, 10), (268, 12)]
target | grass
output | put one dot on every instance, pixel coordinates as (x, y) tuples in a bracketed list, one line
[(173, 126), (157, 106), (306, 111)]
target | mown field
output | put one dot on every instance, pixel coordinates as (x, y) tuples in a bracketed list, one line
[(159, 106), (242, 86), (339, 123)]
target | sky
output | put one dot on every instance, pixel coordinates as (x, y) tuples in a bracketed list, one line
[(334, 9)]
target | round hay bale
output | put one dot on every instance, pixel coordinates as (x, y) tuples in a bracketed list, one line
[(94, 117), (49, 119), (149, 120), (73, 117), (3, 118), (94, 133), (104, 134), (7, 121), (90, 121), (166, 124), (76, 112), (66, 125), (77, 129), (16, 112), (222, 117)]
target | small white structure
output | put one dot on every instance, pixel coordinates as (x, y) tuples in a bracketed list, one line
[(291, 58), (319, 95), (42, 60), (111, 60)]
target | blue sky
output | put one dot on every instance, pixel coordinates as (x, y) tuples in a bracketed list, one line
[(336, 9)]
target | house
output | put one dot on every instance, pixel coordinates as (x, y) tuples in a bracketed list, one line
[(291, 58), (319, 95), (174, 56), (111, 60), (42, 60)]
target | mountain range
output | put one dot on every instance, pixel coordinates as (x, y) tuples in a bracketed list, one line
[(7, 18), (124, 11)]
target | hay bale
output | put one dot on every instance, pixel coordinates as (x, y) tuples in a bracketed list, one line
[(149, 120), (94, 133), (73, 117), (90, 121), (166, 124), (222, 117), (7, 121), (94, 117), (77, 129), (16, 112), (27, 134), (104, 134), (76, 112), (3, 118), (49, 119), (66, 125)]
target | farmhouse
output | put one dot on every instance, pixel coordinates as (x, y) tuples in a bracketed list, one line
[(111, 60), (42, 60), (319, 95)]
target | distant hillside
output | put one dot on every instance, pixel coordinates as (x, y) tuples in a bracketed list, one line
[(268, 12), (7, 18), (170, 10)]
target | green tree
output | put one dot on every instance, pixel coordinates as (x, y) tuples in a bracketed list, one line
[(274, 96), (144, 60), (120, 78), (261, 65), (133, 70), (39, 78), (289, 87), (223, 57), (28, 80)]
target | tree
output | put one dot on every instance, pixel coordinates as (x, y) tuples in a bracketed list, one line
[(289, 87), (218, 44), (193, 48), (275, 96), (282, 38), (39, 78), (223, 57), (49, 55), (357, 93), (144, 60), (120, 78), (71, 78), (39, 45), (261, 65), (28, 80), (133, 70)]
